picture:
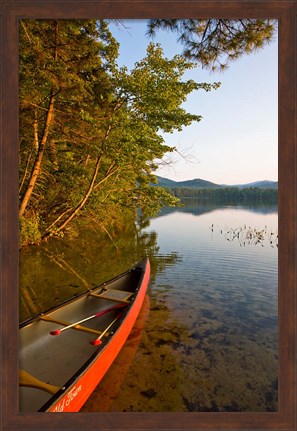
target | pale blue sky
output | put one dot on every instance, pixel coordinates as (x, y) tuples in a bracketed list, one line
[(237, 139)]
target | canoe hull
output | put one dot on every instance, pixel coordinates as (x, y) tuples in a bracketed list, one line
[(79, 392), (79, 387)]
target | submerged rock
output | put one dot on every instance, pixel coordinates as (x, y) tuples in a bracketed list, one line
[(150, 393)]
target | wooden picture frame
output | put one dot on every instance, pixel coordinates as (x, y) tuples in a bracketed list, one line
[(285, 12)]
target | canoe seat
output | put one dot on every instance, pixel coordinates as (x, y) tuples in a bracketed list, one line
[(113, 295), (77, 327)]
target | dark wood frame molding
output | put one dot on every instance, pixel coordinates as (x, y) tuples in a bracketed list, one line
[(285, 12)]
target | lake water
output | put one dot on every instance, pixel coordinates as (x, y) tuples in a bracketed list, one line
[(207, 338)]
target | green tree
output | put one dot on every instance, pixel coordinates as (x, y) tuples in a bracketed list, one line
[(145, 102), (59, 63), (89, 131), (64, 69), (214, 43)]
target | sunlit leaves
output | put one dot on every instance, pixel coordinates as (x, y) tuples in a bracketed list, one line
[(105, 136), (155, 91)]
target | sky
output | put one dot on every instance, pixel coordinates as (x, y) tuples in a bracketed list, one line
[(236, 141)]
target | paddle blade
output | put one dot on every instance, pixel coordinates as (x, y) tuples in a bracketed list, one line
[(56, 332), (96, 342)]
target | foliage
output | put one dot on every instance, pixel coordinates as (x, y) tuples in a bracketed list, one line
[(29, 230), (214, 43), (89, 130)]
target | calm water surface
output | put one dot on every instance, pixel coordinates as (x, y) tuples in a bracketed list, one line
[(208, 338)]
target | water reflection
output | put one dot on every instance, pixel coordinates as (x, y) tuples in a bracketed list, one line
[(197, 208), (60, 269), (210, 340), (210, 343)]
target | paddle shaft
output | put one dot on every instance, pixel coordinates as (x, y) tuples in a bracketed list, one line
[(26, 379), (98, 339), (77, 327), (101, 313)]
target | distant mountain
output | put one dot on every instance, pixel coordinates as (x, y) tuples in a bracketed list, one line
[(165, 182), (261, 184), (198, 183)]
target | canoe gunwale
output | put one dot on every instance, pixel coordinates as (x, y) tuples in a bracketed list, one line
[(77, 296), (124, 317), (80, 371)]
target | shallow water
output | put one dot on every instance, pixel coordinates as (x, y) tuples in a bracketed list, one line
[(210, 343), (209, 340)]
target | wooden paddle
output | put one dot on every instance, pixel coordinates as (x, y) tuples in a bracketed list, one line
[(26, 379), (77, 327), (101, 313)]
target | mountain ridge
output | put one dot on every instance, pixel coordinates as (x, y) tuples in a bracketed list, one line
[(199, 183)]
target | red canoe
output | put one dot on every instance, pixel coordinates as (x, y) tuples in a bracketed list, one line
[(59, 372)]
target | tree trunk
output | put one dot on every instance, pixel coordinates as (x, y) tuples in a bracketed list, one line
[(90, 188), (41, 146), (39, 156), (84, 200)]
